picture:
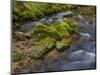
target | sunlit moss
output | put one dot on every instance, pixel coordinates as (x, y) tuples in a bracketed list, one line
[(56, 30), (42, 30)]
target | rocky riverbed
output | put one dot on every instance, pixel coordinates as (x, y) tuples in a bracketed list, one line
[(80, 55)]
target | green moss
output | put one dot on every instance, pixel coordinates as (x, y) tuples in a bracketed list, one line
[(42, 47), (48, 36), (27, 11), (72, 24), (42, 30), (16, 55), (63, 28), (56, 30), (60, 45)]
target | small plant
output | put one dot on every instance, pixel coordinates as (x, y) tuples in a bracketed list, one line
[(16, 55)]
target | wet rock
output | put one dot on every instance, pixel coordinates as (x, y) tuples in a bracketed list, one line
[(65, 43), (85, 35), (69, 15), (61, 15), (46, 20), (43, 20), (22, 36)]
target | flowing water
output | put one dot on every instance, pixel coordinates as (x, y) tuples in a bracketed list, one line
[(81, 55)]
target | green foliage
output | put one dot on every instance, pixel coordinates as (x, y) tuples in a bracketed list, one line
[(27, 11), (16, 55)]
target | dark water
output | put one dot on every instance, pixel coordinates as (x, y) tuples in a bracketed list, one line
[(81, 55)]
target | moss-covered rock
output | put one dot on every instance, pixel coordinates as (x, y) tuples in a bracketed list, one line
[(42, 47), (41, 31), (63, 28), (60, 45), (66, 42), (45, 37), (56, 30)]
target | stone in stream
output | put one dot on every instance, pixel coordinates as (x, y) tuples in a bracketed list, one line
[(66, 42), (61, 15), (43, 20), (22, 36)]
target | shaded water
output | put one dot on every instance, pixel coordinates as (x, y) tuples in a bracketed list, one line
[(80, 55)]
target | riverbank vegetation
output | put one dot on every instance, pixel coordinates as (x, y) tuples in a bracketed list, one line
[(31, 11)]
